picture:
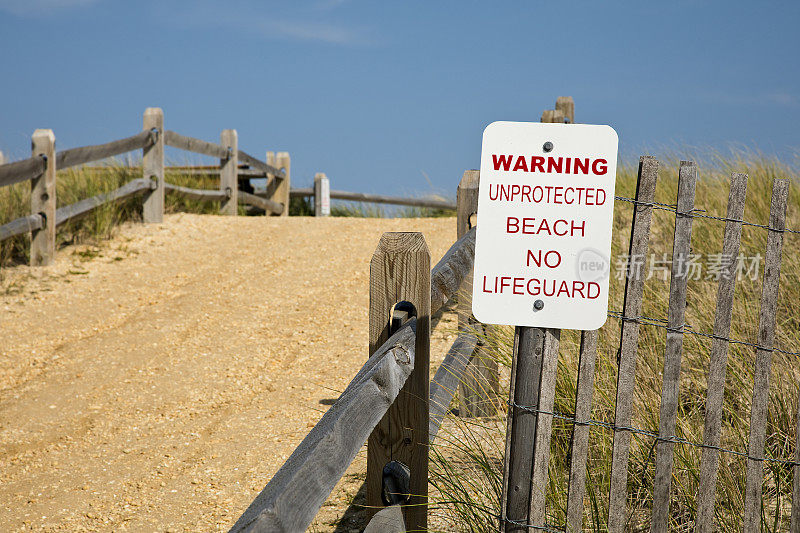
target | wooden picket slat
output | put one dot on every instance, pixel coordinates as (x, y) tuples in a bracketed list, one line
[(544, 428), (579, 449), (629, 339), (763, 361), (671, 376), (718, 364), (794, 527)]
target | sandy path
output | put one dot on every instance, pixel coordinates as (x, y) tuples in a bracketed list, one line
[(159, 385)]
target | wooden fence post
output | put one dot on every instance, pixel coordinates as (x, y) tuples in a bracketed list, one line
[(794, 526), (153, 167), (2, 158), (400, 272), (43, 199), (278, 188), (763, 360), (479, 386), (228, 179), (566, 105), (322, 195), (671, 375)]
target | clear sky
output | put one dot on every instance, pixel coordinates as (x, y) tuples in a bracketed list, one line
[(380, 95)]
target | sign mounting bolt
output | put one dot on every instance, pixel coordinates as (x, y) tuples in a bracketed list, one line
[(538, 305), (548, 147)]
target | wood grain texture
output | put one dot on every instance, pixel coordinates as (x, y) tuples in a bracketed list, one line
[(387, 520), (190, 144), (718, 361), (579, 448), (19, 171), (794, 526), (452, 268), (676, 315), (259, 165), (197, 194), (20, 226), (530, 348), (43, 199), (228, 168), (267, 205), (153, 167), (86, 154), (282, 183), (295, 493), (400, 271), (763, 360), (447, 378), (566, 105), (544, 428), (629, 340), (84, 207)]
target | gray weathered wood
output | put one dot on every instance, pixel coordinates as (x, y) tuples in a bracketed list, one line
[(452, 268), (529, 347), (190, 144), (544, 428), (448, 376), (479, 386), (260, 166), (79, 209), (153, 167), (553, 115), (676, 314), (387, 520), (97, 152), (19, 171), (2, 158), (377, 198), (718, 361), (280, 193), (322, 195), (295, 493), (263, 203), (400, 271), (43, 199), (763, 361), (228, 182), (579, 448), (629, 339), (566, 105), (197, 194), (794, 526), (20, 226)]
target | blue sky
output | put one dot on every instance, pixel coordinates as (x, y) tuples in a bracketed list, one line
[(393, 97)]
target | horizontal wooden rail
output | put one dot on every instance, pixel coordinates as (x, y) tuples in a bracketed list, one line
[(244, 157), (86, 154), (263, 203), (377, 198), (197, 194), (24, 170), (450, 271), (20, 226), (79, 209), (445, 383), (190, 144), (292, 498)]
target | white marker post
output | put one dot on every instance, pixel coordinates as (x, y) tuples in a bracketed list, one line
[(542, 260)]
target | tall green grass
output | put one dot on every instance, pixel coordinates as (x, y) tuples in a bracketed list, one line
[(467, 458)]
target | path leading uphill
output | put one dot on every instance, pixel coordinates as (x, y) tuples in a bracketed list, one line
[(157, 382)]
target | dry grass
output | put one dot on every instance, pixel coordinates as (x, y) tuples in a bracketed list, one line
[(468, 458)]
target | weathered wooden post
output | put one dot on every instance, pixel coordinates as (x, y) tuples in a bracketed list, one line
[(566, 105), (322, 195), (400, 272), (2, 158), (153, 166), (479, 387), (43, 199), (278, 187), (228, 178)]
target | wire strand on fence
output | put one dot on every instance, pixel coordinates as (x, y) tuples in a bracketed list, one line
[(699, 213), (646, 433)]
